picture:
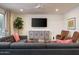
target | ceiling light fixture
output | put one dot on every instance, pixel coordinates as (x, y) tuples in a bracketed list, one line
[(56, 10), (38, 6), (21, 10)]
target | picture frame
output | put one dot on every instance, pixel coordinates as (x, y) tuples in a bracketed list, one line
[(71, 23)]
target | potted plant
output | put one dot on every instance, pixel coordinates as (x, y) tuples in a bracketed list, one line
[(18, 23)]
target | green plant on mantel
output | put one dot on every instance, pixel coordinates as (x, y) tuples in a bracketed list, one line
[(18, 23)]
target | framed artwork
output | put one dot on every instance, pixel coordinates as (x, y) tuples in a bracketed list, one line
[(72, 23)]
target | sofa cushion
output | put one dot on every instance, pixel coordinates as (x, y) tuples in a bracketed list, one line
[(5, 45), (59, 45), (22, 45), (69, 41), (23, 37), (7, 39)]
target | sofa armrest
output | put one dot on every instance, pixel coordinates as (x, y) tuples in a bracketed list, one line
[(5, 45), (23, 37)]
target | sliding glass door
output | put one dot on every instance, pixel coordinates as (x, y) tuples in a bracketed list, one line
[(2, 25)]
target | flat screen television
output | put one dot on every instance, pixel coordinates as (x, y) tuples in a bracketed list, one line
[(39, 22)]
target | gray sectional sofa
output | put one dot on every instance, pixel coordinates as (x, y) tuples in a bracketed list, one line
[(24, 48)]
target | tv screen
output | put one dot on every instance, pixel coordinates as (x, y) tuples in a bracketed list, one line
[(39, 22)]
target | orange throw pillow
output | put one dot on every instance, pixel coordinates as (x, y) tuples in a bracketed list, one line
[(16, 37)]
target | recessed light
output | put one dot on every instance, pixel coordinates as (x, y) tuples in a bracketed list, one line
[(37, 6), (21, 10), (56, 10)]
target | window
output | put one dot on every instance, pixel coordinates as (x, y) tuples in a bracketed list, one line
[(2, 25)]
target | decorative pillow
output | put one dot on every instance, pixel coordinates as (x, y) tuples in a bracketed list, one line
[(68, 41), (64, 41), (16, 37), (59, 41)]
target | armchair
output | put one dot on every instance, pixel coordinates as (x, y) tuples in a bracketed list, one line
[(75, 37), (70, 40), (63, 35)]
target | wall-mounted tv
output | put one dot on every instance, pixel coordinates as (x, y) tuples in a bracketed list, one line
[(39, 22)]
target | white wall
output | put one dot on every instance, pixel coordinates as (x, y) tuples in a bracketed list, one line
[(73, 13), (55, 23)]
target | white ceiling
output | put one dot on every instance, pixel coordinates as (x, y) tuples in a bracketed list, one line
[(46, 8)]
